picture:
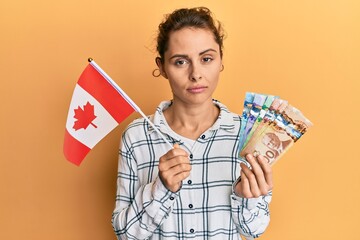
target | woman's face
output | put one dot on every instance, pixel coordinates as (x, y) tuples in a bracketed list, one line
[(192, 65)]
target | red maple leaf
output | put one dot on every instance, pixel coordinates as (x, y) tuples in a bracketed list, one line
[(84, 117)]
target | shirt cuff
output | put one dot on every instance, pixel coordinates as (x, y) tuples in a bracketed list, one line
[(248, 203), (162, 195)]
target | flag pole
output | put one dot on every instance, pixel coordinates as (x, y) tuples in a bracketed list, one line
[(127, 98)]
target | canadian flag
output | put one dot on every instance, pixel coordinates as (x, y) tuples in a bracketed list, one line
[(97, 106)]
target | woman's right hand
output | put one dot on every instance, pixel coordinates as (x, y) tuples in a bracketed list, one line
[(174, 167)]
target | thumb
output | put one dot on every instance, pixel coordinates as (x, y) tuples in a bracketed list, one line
[(184, 153)]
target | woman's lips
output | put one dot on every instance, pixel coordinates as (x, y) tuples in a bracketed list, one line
[(199, 89)]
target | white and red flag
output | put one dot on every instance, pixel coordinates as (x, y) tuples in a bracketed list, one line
[(97, 106)]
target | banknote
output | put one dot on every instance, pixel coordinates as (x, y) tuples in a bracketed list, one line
[(281, 126), (259, 100), (264, 109), (249, 98), (297, 123), (275, 109), (271, 143)]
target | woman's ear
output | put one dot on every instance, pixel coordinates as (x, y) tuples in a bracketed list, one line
[(221, 66), (160, 65)]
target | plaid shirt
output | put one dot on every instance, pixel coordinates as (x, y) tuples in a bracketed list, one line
[(205, 207)]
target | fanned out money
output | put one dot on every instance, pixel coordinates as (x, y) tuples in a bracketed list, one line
[(270, 126)]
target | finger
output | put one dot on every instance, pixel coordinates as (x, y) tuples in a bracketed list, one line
[(176, 151), (178, 168), (173, 176), (258, 170), (176, 174), (166, 164), (252, 182), (266, 167), (181, 175), (178, 160), (244, 185), (255, 165), (174, 183)]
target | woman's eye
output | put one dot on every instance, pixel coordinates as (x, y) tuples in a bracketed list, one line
[(180, 62), (207, 59)]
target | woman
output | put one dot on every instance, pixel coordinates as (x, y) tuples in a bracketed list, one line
[(193, 190)]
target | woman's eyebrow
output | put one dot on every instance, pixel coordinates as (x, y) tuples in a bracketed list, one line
[(187, 56), (207, 50), (179, 56)]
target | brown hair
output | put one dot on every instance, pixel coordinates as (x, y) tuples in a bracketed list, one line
[(200, 17)]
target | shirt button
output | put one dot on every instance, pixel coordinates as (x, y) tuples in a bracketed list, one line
[(190, 205), (189, 182), (191, 156), (202, 136), (171, 198), (192, 230)]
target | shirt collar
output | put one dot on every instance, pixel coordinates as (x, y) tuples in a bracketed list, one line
[(225, 120)]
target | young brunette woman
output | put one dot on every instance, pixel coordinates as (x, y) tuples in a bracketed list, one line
[(193, 190)]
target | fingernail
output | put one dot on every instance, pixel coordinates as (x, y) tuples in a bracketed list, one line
[(261, 157), (249, 156)]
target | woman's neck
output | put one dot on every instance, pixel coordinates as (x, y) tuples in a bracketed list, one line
[(191, 121)]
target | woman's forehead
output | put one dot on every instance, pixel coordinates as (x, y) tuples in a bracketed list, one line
[(191, 41)]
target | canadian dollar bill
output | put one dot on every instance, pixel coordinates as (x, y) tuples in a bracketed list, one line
[(297, 123), (264, 109), (249, 98), (258, 101), (281, 126), (275, 109)]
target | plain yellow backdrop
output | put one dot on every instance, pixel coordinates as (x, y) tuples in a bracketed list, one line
[(307, 52)]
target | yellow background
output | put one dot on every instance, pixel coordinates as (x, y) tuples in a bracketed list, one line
[(304, 51)]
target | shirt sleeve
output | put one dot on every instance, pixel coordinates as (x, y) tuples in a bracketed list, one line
[(139, 209), (251, 215)]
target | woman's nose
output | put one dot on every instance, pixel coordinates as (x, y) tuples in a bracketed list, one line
[(195, 74)]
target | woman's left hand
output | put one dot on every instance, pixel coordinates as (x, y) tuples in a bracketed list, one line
[(256, 181)]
